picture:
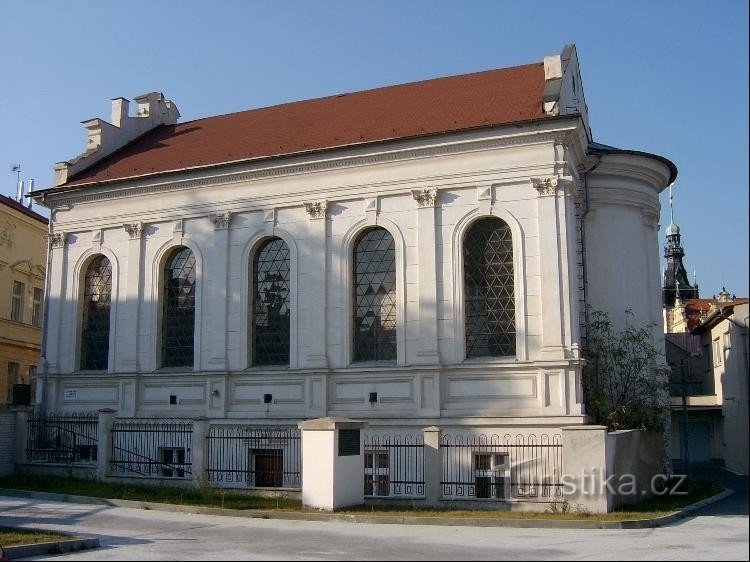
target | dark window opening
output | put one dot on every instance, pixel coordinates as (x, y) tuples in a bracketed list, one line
[(375, 297), (490, 311), (270, 310), (97, 299), (178, 312)]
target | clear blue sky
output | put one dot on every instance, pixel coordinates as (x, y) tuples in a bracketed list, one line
[(668, 77)]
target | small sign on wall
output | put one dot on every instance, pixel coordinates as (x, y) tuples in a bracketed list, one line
[(70, 394)]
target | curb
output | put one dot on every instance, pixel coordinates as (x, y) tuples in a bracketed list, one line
[(380, 519), (51, 547)]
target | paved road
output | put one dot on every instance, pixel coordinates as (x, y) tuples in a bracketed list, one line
[(137, 534)]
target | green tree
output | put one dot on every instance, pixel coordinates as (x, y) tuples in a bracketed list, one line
[(622, 384)]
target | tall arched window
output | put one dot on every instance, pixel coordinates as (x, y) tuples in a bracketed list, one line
[(178, 309), (375, 296), (270, 310), (97, 298), (490, 310)]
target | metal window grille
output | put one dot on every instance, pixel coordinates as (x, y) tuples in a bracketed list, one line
[(243, 456), (97, 298), (62, 438), (271, 304), (394, 465), (497, 468), (152, 447), (490, 312), (178, 312), (375, 296), (16, 302)]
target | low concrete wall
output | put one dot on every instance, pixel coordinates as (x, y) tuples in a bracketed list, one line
[(7, 442), (602, 470), (635, 458)]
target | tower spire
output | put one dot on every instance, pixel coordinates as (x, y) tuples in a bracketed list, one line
[(676, 283)]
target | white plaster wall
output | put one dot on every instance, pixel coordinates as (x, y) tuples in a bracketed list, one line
[(476, 180)]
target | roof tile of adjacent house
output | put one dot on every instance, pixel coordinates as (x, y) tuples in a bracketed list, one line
[(453, 103)]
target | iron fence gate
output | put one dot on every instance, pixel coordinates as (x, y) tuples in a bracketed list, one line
[(152, 447), (394, 465), (242, 456), (62, 438), (482, 467)]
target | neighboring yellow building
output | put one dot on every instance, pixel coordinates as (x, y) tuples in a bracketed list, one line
[(22, 270)]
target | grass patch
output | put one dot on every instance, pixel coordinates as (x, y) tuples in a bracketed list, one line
[(10, 536), (657, 506), (204, 497)]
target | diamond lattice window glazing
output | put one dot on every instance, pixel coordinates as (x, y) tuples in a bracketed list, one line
[(375, 297), (97, 299), (178, 313), (271, 304), (490, 311)]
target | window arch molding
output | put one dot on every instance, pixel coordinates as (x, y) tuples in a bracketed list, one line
[(519, 283), (248, 254), (346, 283), (159, 262), (78, 286)]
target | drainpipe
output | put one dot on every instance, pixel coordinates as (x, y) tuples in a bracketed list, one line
[(583, 246)]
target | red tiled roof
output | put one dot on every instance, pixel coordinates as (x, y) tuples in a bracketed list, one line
[(439, 105), (12, 203), (698, 310), (695, 311)]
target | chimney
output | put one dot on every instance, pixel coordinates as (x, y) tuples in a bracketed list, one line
[(104, 137)]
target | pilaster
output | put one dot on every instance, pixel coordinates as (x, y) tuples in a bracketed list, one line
[(553, 346), (428, 334), (217, 293), (128, 359), (57, 242), (316, 256)]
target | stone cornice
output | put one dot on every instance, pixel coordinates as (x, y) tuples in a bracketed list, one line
[(265, 170)]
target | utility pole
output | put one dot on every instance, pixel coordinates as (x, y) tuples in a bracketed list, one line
[(684, 384)]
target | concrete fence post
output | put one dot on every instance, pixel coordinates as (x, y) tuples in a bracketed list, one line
[(104, 442), (333, 465), (21, 435), (585, 467), (433, 466), (199, 453)]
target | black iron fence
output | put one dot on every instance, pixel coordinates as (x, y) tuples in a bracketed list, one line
[(245, 456), (62, 438), (394, 465), (152, 447), (507, 467)]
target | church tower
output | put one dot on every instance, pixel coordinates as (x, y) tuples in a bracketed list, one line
[(676, 285)]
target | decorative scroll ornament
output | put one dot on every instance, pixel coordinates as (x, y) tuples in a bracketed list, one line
[(134, 229), (7, 236), (221, 220), (545, 186), (549, 185), (57, 239), (317, 209), (425, 197)]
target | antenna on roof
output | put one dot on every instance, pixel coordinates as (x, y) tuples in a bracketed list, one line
[(19, 184)]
